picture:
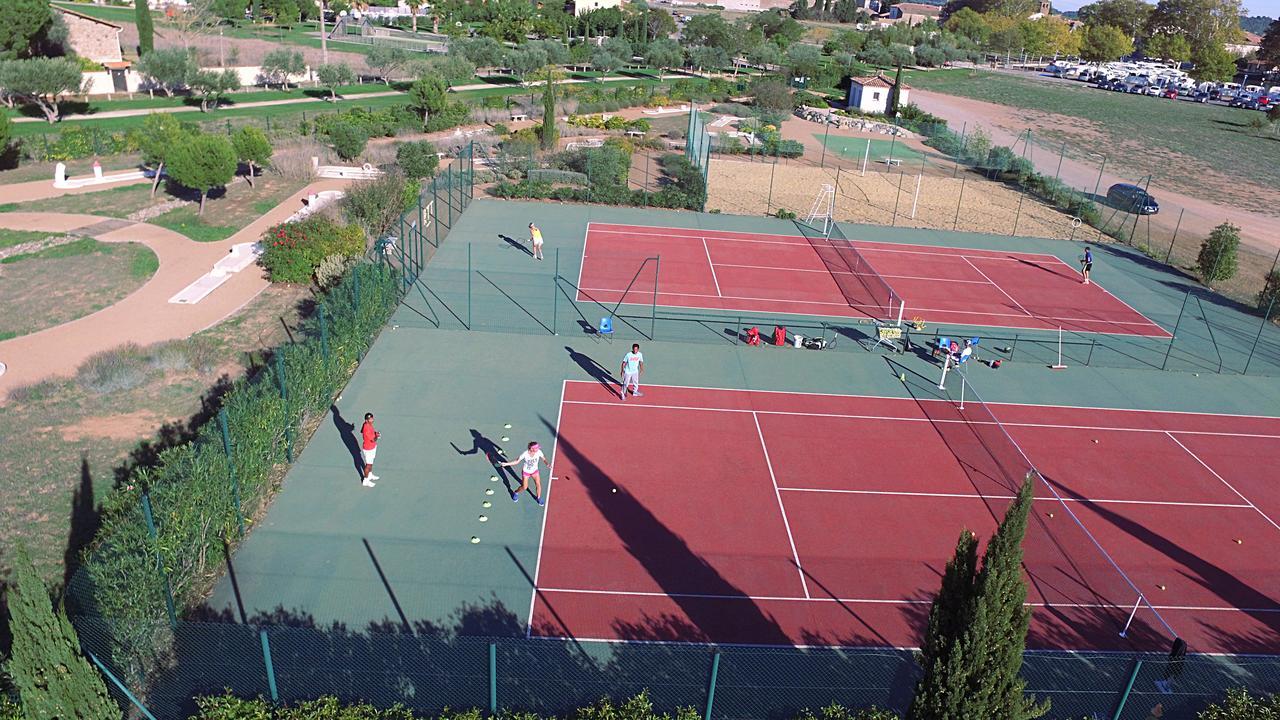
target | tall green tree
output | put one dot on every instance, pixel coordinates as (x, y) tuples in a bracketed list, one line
[(1213, 64), (1269, 49), (1104, 43), (894, 95), (252, 147), (39, 81), (427, 96), (1129, 15), (146, 30), (663, 53), (54, 681), (972, 656), (169, 69), (21, 24), (202, 163), (160, 135), (332, 75), (1166, 46), (941, 687), (1204, 23), (549, 133), (1217, 258)]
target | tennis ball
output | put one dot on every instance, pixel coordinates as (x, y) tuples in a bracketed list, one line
[(1162, 587), (1239, 541), (1095, 441), (614, 490)]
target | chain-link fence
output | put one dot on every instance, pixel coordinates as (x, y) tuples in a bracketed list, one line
[(429, 670)]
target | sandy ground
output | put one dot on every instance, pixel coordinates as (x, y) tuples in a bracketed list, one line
[(1201, 215)]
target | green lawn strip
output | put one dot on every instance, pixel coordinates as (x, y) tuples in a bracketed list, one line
[(9, 238), (160, 101), (83, 246), (114, 202), (185, 221), (1209, 136)]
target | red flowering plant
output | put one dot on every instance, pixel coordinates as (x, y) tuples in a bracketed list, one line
[(292, 251)]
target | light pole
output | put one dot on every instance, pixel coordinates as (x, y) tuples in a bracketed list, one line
[(893, 139)]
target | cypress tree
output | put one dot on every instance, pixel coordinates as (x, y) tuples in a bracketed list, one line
[(948, 618), (53, 679), (893, 93), (146, 32), (998, 635), (549, 132), (972, 653)]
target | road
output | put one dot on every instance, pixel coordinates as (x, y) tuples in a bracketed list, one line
[(1257, 229)]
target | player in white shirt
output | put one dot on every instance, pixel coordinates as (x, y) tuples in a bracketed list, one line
[(528, 462), (632, 367)]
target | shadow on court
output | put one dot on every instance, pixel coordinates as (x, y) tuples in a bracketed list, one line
[(348, 432), (594, 369), (495, 455)]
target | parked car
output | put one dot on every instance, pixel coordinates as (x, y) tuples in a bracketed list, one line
[(1170, 93), (1153, 90), (1199, 96), (1132, 198)]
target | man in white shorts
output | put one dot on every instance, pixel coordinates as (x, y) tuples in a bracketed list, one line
[(368, 449), (632, 368), (536, 237)]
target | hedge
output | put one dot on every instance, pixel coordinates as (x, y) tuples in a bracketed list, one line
[(121, 583)]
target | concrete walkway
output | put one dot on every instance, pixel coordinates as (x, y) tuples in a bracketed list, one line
[(145, 316), (44, 189), (188, 108)]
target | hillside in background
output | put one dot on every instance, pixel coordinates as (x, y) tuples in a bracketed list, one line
[(1256, 24)]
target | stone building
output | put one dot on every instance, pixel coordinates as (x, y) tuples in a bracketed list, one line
[(91, 37)]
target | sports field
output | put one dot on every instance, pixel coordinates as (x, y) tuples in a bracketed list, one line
[(756, 499)]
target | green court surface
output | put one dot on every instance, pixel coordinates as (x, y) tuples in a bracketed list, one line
[(855, 148), (371, 588)]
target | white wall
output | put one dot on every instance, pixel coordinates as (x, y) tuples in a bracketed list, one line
[(100, 83)]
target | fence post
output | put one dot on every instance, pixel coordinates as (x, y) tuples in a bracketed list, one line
[(555, 294), (768, 205), (493, 678), (284, 397), (231, 466), (116, 681), (1173, 240), (435, 206), (271, 670), (959, 202), (711, 685), (1018, 214), (896, 198), (468, 286), (1266, 318), (1174, 335), (150, 519), (1124, 697)]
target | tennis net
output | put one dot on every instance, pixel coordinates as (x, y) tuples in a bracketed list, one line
[(863, 288), (1075, 577)]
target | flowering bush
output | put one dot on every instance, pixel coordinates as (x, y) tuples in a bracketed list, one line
[(293, 251)]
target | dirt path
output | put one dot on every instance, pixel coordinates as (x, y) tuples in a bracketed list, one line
[(188, 108), (145, 316), (1257, 229)]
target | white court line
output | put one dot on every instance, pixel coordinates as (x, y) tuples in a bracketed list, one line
[(1224, 481), (880, 601), (950, 402), (996, 286), (707, 234), (977, 496), (1023, 314), (546, 491), (712, 266), (781, 508), (1048, 426)]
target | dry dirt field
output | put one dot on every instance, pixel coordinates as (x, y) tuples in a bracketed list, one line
[(965, 203)]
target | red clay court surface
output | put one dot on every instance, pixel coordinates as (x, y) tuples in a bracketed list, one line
[(802, 519), (756, 272)]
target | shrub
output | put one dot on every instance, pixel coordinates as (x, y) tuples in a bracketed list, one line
[(1240, 705), (332, 268), (417, 159), (378, 204), (348, 140), (1270, 291), (293, 251), (1217, 258), (33, 392), (784, 214), (121, 368), (500, 129)]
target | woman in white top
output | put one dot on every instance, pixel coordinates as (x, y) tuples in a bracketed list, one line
[(528, 461)]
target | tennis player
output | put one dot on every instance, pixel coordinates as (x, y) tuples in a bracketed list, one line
[(368, 449), (632, 368), (528, 462), (536, 238), (1086, 263)]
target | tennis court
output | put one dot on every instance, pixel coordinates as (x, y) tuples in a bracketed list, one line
[(835, 277), (779, 518)]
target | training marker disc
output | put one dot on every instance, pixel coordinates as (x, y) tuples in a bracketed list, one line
[(483, 518), (474, 539), (486, 504), (507, 426), (493, 478), (505, 438), (488, 491)]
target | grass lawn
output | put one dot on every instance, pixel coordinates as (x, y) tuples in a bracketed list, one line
[(1177, 142), (224, 213), (31, 171), (9, 238), (142, 101), (61, 283), (856, 148), (70, 438)]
